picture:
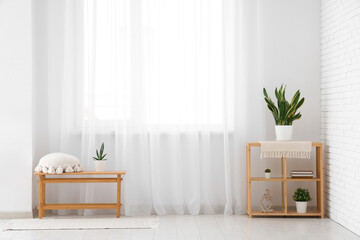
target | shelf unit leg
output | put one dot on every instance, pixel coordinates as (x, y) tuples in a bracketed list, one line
[(319, 185), (285, 185), (282, 184), (318, 190)]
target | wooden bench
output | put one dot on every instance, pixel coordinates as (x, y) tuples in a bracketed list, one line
[(43, 180)]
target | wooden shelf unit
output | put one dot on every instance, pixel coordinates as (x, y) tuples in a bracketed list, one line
[(318, 179)]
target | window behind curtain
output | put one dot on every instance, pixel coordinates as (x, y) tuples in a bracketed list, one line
[(158, 62)]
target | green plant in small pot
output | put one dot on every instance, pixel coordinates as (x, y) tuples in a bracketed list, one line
[(267, 173), (301, 197), (100, 161), (284, 112)]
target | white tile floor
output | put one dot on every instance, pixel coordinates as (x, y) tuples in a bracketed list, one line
[(204, 227)]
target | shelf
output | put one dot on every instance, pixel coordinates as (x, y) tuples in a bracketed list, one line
[(280, 179), (267, 179), (303, 179), (282, 213), (274, 213)]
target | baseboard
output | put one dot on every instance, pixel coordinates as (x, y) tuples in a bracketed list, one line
[(11, 215)]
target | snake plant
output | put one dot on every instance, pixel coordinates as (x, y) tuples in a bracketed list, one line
[(284, 113), (100, 154)]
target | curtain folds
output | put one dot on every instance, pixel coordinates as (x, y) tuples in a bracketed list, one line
[(160, 82)]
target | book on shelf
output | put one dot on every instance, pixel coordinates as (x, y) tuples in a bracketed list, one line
[(301, 176), (302, 173)]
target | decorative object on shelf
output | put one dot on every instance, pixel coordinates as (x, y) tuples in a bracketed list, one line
[(284, 113), (273, 149), (267, 197), (301, 197), (301, 174), (267, 173), (58, 163), (100, 161)]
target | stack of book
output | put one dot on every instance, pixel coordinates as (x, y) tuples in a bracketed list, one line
[(301, 174)]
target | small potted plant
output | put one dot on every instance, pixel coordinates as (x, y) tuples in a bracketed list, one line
[(284, 112), (301, 197), (100, 160), (267, 173)]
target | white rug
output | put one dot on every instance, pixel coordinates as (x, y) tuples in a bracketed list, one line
[(75, 224)]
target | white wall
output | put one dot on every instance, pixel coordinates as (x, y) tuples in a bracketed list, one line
[(15, 105), (289, 53), (284, 38), (340, 109)]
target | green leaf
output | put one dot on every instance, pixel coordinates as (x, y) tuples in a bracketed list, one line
[(271, 104), (102, 149), (265, 93), (296, 97), (300, 103), (283, 93), (274, 115), (278, 96), (297, 116), (291, 111)]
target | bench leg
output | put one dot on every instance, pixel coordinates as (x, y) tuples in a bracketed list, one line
[(41, 196), (118, 200)]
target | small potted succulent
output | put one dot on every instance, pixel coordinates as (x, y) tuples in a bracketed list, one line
[(301, 197), (100, 160), (284, 112), (267, 173)]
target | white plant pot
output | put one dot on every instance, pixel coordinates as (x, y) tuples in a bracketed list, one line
[(100, 165), (301, 207), (267, 175), (283, 132)]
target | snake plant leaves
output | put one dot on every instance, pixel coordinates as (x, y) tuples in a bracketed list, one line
[(284, 113), (100, 156)]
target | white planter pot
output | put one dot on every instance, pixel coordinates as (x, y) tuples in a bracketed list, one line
[(100, 165), (283, 132), (267, 175), (301, 207)]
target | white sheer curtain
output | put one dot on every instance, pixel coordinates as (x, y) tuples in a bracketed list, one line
[(160, 83)]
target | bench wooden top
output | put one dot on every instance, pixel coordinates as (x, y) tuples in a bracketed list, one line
[(86, 173)]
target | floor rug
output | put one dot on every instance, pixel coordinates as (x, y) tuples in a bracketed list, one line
[(75, 224)]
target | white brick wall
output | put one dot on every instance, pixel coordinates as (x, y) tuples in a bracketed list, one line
[(340, 109)]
